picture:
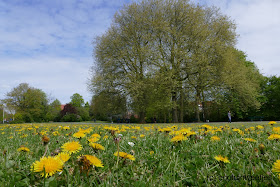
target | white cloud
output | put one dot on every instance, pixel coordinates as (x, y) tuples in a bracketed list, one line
[(48, 44), (60, 77), (258, 24)]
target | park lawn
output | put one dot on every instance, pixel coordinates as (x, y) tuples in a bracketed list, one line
[(158, 154)]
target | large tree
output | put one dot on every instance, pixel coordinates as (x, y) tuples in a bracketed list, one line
[(30, 102), (187, 44)]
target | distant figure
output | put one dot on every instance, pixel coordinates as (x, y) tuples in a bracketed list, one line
[(229, 117)]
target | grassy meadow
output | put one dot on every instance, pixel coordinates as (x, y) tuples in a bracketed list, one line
[(212, 154)]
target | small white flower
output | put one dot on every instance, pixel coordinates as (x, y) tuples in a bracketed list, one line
[(131, 144), (120, 135)]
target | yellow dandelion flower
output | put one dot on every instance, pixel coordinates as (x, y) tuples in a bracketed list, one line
[(95, 135), (23, 149), (274, 137), (191, 133), (93, 139), (24, 136), (222, 159), (134, 137), (48, 165), (125, 155), (276, 167), (63, 156), (79, 135), (241, 132), (276, 130), (272, 122), (85, 131), (219, 130), (142, 136), (208, 127), (167, 129), (152, 152), (93, 160), (55, 133), (259, 127), (178, 138), (71, 147), (185, 130), (147, 128), (250, 139), (105, 137), (215, 138), (97, 146), (66, 128)]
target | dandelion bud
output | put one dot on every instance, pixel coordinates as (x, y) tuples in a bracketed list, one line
[(112, 132), (117, 140), (45, 140), (262, 148)]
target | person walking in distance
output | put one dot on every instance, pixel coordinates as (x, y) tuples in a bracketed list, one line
[(229, 117)]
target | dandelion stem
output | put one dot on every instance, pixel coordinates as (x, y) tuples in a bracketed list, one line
[(46, 150), (118, 150), (44, 176)]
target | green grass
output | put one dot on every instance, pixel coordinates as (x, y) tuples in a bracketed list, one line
[(187, 163)]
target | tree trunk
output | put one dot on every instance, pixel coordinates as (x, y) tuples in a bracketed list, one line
[(142, 117), (203, 107), (174, 109), (197, 103), (182, 107)]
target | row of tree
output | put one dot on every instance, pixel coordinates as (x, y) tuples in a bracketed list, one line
[(28, 104), (173, 60)]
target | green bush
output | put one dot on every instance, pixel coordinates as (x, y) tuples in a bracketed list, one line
[(71, 118)]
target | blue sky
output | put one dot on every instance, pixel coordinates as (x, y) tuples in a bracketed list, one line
[(48, 43)]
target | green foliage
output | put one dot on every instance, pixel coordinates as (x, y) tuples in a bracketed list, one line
[(71, 118), (83, 113), (270, 98), (163, 55), (30, 102), (107, 104), (54, 109), (77, 100), (18, 118), (241, 84)]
